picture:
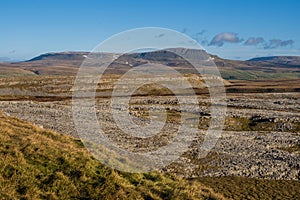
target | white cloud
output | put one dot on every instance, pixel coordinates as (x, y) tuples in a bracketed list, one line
[(222, 38), (254, 41)]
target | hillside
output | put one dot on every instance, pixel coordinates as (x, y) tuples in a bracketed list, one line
[(40, 164), (279, 60), (66, 56)]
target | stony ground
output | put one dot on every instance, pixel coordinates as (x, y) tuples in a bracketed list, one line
[(261, 136)]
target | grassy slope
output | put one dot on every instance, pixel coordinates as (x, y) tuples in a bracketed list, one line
[(40, 164)]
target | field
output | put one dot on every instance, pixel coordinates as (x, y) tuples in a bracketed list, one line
[(42, 156)]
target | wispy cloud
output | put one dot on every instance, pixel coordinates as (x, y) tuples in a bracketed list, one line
[(275, 43), (225, 37), (160, 35), (253, 41), (184, 30), (201, 33), (200, 37)]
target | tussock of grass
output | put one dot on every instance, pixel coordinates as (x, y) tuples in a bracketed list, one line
[(40, 164)]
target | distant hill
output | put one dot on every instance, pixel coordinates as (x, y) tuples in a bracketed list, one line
[(67, 63), (284, 61), (67, 56), (166, 56)]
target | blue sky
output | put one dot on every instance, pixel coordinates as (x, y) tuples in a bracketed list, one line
[(33, 27)]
